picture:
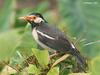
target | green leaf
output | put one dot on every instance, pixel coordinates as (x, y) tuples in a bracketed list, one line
[(95, 67), (23, 49), (8, 43), (27, 42), (7, 15), (32, 69), (42, 56), (54, 71)]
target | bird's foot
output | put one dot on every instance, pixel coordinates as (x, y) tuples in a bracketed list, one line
[(54, 54)]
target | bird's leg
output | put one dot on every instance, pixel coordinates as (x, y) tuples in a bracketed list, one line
[(60, 59), (54, 54)]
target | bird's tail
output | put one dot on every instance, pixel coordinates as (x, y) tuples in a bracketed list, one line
[(81, 61)]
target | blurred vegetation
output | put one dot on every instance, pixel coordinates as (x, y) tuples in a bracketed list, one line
[(78, 19)]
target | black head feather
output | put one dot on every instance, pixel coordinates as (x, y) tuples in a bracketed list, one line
[(38, 14)]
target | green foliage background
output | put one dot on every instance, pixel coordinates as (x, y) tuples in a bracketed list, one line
[(79, 19)]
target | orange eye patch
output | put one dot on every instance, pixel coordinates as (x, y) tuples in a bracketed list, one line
[(34, 17), (31, 17)]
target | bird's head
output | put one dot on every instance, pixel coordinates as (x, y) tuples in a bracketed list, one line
[(33, 18)]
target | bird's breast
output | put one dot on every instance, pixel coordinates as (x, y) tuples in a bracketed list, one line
[(34, 34), (36, 37)]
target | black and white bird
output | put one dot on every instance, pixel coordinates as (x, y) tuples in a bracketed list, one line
[(49, 36)]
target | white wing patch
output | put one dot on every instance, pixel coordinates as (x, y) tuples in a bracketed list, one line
[(45, 35), (72, 46)]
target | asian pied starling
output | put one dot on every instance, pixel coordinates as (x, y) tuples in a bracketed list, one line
[(48, 36)]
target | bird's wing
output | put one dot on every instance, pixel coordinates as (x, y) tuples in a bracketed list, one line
[(53, 38)]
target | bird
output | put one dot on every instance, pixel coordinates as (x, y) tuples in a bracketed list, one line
[(51, 37)]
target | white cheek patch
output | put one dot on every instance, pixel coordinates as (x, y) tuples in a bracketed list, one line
[(38, 20)]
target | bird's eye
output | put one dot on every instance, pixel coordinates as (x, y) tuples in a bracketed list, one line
[(34, 17)]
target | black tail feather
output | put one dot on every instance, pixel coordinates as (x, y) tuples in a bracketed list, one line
[(81, 61)]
